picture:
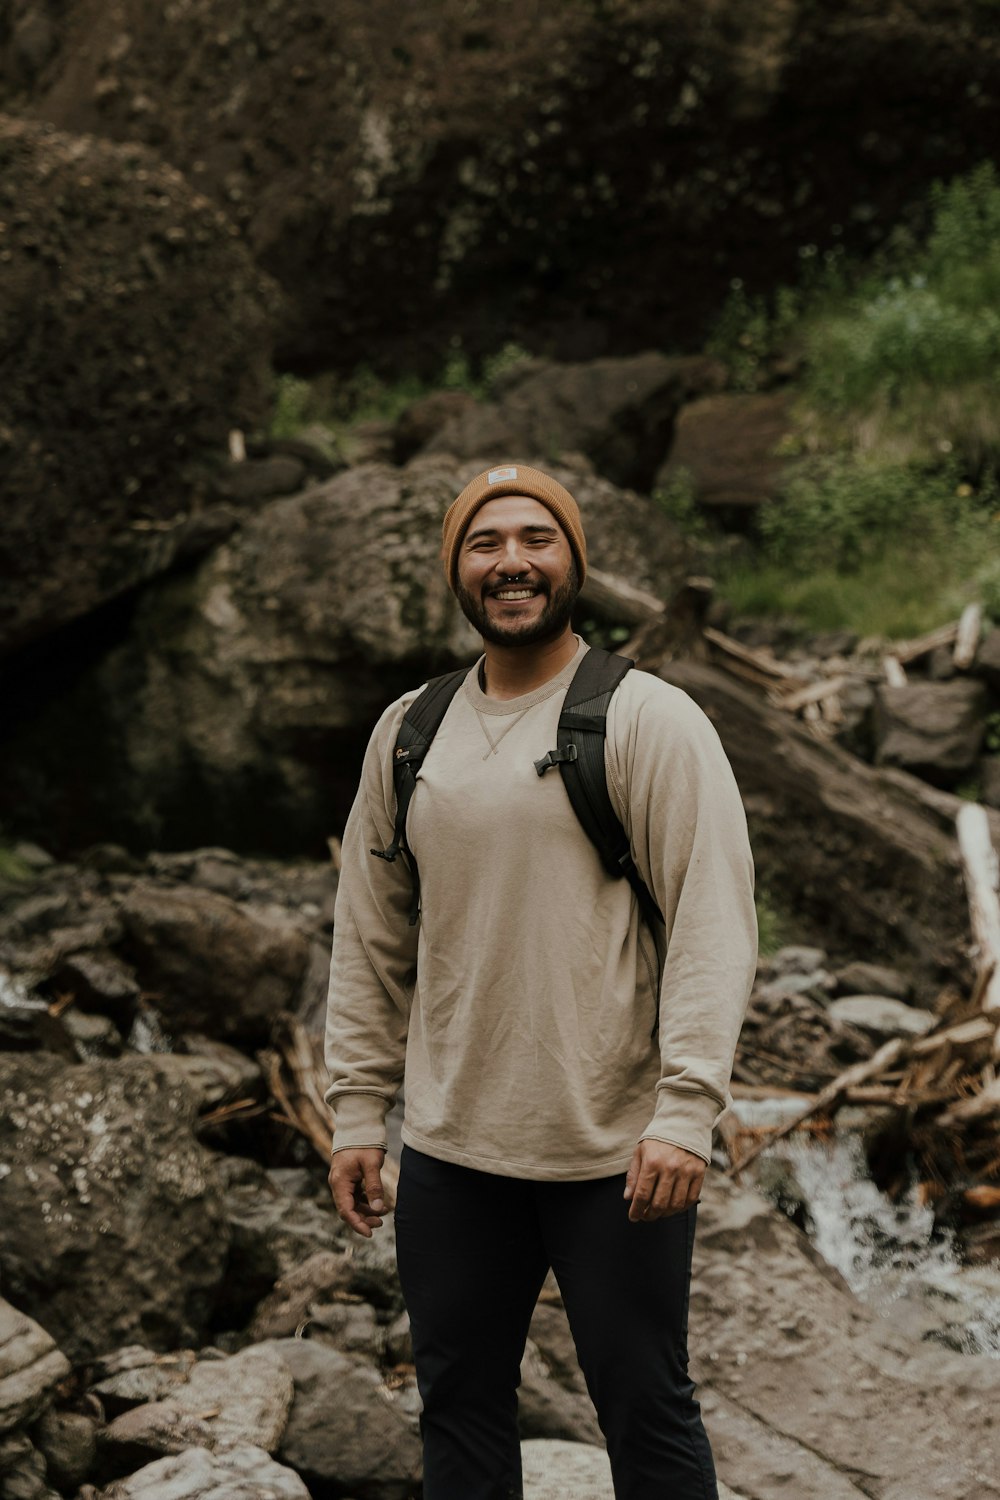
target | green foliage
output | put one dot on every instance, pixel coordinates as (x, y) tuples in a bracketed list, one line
[(15, 872), (677, 501), (752, 331), (840, 512), (882, 549), (901, 358), (773, 925), (331, 406)]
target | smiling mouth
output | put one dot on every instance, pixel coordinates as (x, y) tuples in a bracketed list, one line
[(513, 595)]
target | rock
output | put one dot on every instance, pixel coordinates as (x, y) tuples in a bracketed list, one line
[(67, 1441), (270, 1235), (222, 1403), (672, 154), (804, 1388), (214, 964), (619, 412), (213, 1071), (881, 1016), (860, 978), (26, 1021), (99, 981), (135, 1376), (353, 1328), (989, 773), (276, 657), (111, 1215), (255, 480), (299, 1293), (554, 1469), (812, 1043), (796, 959), (93, 1036), (424, 418), (313, 457), (546, 1409), (866, 859), (987, 663), (119, 248), (346, 1427), (30, 1366), (727, 445), (934, 729), (22, 1470), (241, 1473)]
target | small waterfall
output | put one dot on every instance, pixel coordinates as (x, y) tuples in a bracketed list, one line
[(888, 1252)]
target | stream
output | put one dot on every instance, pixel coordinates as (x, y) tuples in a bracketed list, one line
[(889, 1252)]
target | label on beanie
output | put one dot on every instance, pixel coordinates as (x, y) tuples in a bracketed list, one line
[(496, 476)]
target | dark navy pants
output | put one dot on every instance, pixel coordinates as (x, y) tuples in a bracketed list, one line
[(474, 1249)]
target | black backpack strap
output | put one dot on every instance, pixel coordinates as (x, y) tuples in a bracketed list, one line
[(416, 733), (580, 758)]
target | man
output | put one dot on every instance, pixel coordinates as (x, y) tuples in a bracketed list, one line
[(564, 1063)]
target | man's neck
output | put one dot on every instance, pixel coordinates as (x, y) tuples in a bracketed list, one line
[(512, 671)]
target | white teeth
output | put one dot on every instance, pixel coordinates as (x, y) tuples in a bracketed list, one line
[(516, 594)]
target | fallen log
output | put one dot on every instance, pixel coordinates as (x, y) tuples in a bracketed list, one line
[(618, 600), (980, 868), (296, 1076), (828, 1097), (923, 645), (967, 637), (867, 859)]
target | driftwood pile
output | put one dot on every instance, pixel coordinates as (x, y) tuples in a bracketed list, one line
[(941, 1091), (815, 694)]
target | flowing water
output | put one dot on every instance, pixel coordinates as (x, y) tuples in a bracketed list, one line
[(888, 1251)]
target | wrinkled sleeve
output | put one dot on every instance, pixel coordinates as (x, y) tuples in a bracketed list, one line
[(373, 962), (675, 792)]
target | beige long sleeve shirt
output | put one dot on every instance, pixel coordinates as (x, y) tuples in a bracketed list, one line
[(541, 1028)]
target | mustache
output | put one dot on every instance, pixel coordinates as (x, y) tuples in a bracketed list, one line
[(519, 583)]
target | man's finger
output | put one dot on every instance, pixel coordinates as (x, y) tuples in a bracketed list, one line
[(373, 1189), (632, 1173), (642, 1197)]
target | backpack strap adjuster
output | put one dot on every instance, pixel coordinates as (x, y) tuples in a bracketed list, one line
[(555, 758)]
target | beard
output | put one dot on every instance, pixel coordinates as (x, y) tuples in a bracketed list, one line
[(552, 621)]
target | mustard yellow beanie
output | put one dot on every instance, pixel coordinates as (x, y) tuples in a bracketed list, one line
[(511, 479)]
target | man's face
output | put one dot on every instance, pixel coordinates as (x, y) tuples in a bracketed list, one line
[(517, 576)]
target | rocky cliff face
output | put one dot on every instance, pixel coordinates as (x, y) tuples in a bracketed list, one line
[(134, 331), (585, 178)]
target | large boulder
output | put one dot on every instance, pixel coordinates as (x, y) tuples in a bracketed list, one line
[(244, 1472), (347, 1432), (239, 707), (111, 1219), (30, 1368), (134, 331), (619, 412), (221, 1404), (805, 1390), (585, 179), (214, 965), (729, 448), (934, 729)]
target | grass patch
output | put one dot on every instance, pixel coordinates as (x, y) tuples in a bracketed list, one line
[(881, 549), (328, 407), (901, 359)]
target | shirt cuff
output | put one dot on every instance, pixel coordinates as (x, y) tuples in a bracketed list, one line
[(359, 1121), (685, 1118)]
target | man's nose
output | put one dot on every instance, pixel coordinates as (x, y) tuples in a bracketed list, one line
[(512, 560)]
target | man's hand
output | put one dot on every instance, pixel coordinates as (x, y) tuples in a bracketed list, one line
[(662, 1179), (356, 1184)]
